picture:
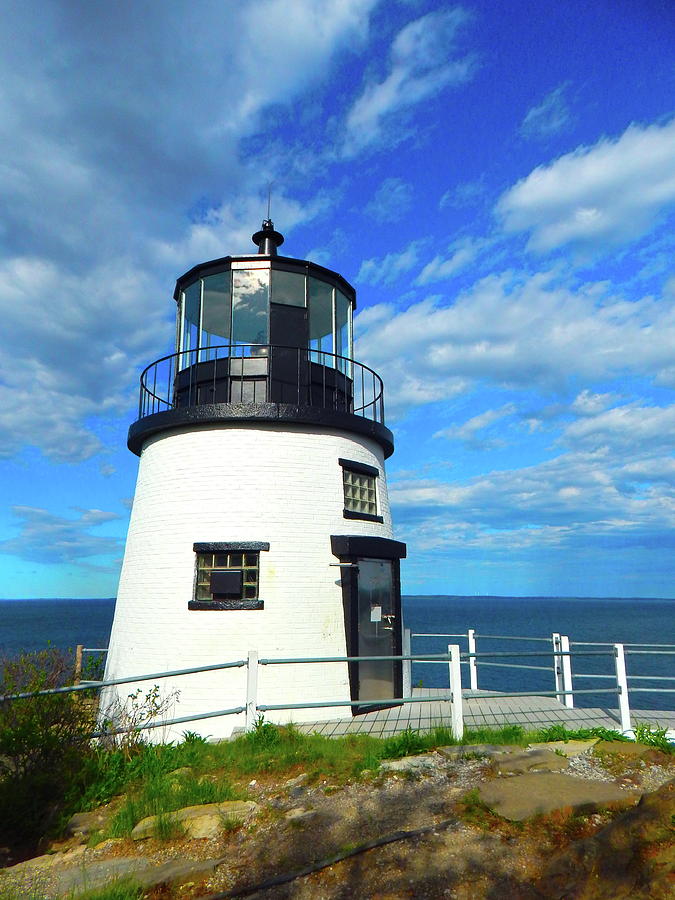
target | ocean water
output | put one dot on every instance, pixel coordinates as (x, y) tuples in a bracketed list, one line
[(32, 624), (612, 620)]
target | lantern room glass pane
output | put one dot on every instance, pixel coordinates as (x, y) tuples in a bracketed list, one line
[(217, 313), (321, 321), (250, 306), (343, 347), (288, 288), (191, 303)]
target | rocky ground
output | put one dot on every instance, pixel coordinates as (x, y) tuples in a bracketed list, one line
[(582, 820)]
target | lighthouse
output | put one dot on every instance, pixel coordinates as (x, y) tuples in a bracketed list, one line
[(260, 519)]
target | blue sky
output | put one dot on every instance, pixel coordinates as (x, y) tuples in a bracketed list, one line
[(496, 179)]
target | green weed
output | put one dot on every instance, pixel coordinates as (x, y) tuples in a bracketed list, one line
[(561, 733), (405, 743), (230, 823), (163, 794), (122, 889), (168, 828), (653, 736), (474, 812), (12, 893)]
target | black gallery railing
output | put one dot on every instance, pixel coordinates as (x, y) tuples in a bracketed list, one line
[(261, 373)]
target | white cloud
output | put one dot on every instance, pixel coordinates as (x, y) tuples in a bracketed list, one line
[(421, 66), (599, 196), (390, 267), (549, 117), (461, 254), (47, 538), (229, 226), (468, 431), (523, 332), (71, 349), (275, 32), (106, 156), (391, 201), (574, 498), (468, 193), (630, 429), (588, 403)]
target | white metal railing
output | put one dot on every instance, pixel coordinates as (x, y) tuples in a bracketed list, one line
[(454, 658), (561, 654), (252, 708)]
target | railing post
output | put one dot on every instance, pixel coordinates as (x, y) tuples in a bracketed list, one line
[(251, 689), (78, 664), (557, 668), (566, 663), (407, 663), (473, 668), (622, 685), (456, 705)]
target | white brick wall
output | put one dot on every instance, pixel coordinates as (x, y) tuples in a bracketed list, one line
[(281, 484)]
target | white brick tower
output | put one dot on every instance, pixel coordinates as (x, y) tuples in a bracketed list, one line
[(261, 519)]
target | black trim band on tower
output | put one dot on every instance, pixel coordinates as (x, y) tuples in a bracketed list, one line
[(241, 413), (229, 546)]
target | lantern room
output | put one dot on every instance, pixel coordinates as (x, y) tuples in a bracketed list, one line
[(264, 300)]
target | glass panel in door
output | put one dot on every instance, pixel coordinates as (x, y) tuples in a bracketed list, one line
[(376, 629)]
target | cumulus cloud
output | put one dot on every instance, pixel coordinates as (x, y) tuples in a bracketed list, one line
[(588, 403), (631, 429), (387, 269), (467, 193), (47, 538), (71, 351), (596, 197), (228, 225), (526, 332), (421, 65), (468, 432), (561, 501), (441, 267), (549, 117), (391, 201), (98, 183)]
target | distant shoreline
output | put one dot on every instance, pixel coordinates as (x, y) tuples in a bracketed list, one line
[(408, 596), (55, 599)]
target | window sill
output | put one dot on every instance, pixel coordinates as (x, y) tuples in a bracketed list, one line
[(211, 605), (365, 517)]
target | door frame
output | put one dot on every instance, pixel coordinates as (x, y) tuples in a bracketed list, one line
[(348, 549)]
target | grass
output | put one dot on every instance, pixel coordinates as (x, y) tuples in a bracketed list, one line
[(122, 889), (654, 736), (561, 733), (268, 750), (474, 812), (160, 794), (216, 772)]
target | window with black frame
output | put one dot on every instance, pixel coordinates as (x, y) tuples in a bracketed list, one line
[(227, 576), (359, 482)]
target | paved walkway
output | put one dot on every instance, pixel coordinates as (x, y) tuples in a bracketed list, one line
[(482, 712)]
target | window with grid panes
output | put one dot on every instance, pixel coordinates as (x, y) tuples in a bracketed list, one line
[(246, 562), (360, 492)]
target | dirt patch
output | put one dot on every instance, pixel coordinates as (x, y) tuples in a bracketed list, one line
[(429, 836)]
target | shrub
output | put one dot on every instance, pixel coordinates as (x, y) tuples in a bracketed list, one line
[(43, 744), (131, 718)]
